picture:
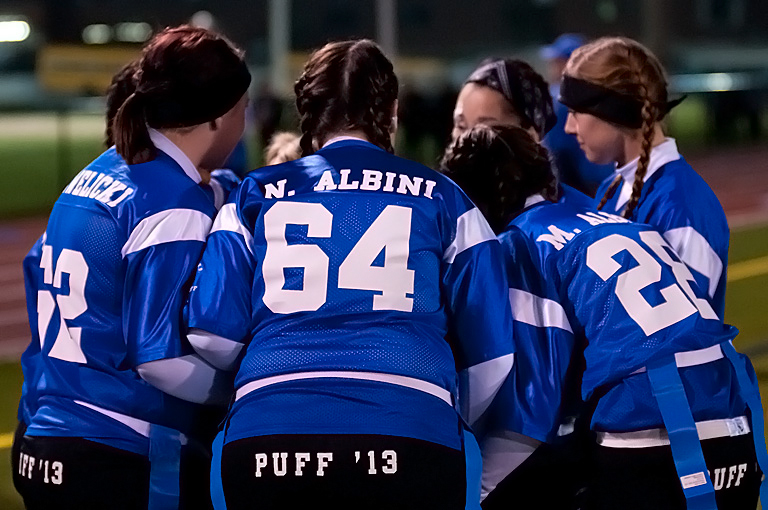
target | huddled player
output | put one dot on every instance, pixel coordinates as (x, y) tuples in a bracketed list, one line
[(117, 384), (659, 364), (509, 92), (616, 90), (364, 290)]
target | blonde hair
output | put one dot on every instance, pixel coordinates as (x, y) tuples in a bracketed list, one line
[(629, 68), (283, 146)]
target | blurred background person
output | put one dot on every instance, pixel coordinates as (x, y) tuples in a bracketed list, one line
[(284, 146)]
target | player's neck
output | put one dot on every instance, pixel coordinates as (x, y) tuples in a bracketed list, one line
[(353, 133), (632, 146)]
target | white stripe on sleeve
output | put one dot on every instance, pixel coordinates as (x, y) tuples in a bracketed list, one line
[(537, 311), (167, 227), (696, 252), (484, 380), (228, 220), (471, 229)]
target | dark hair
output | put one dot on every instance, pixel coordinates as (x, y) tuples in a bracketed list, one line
[(525, 90), (123, 84), (345, 86), (499, 168), (186, 76)]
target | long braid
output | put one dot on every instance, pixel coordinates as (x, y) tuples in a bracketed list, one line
[(609, 192), (649, 119)]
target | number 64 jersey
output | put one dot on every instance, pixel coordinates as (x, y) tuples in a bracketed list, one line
[(591, 283), (343, 273)]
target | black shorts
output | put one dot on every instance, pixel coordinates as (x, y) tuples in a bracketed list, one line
[(342, 471), (553, 476), (645, 478), (70, 472)]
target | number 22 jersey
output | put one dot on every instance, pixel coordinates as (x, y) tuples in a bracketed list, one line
[(361, 284)]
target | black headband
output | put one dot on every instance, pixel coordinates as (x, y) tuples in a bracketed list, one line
[(195, 101), (622, 109), (530, 100)]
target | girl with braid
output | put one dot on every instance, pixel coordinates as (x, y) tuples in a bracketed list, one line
[(616, 91), (668, 393), (361, 289)]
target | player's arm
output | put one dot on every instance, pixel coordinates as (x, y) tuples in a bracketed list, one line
[(161, 255), (31, 267), (528, 409), (474, 284), (219, 308)]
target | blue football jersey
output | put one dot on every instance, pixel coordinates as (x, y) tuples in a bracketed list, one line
[(597, 298), (677, 202), (355, 277), (121, 246), (222, 182), (30, 358)]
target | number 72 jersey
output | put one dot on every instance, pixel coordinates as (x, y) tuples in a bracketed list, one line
[(591, 282)]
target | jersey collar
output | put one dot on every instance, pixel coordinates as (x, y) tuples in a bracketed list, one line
[(351, 140), (164, 144), (533, 200), (662, 154)]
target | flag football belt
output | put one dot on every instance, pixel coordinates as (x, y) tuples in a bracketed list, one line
[(164, 456), (683, 432)]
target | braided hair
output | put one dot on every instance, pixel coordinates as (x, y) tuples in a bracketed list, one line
[(499, 168), (346, 86), (629, 68)]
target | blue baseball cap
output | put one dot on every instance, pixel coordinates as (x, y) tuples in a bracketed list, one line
[(562, 47)]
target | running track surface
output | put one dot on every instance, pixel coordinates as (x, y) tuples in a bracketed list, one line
[(739, 177)]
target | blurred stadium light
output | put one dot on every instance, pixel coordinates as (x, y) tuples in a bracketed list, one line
[(14, 30)]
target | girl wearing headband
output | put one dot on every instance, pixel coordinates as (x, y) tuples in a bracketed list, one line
[(616, 91), (361, 289), (118, 385), (509, 92), (602, 305)]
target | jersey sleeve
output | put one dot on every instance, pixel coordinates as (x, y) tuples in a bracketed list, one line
[(532, 397), (30, 358), (695, 226), (223, 182), (220, 298), (160, 256), (476, 295)]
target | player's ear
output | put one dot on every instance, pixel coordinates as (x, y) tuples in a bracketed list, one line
[(214, 124)]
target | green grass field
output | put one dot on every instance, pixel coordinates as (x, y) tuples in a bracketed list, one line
[(36, 164)]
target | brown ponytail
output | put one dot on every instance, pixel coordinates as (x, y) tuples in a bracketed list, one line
[(186, 76), (346, 86), (630, 69), (129, 129)]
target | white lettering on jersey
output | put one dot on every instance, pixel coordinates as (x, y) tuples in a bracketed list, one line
[(99, 186), (600, 217), (557, 238), (372, 181), (272, 191)]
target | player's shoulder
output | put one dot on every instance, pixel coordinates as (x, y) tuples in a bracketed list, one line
[(678, 196), (556, 226)]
